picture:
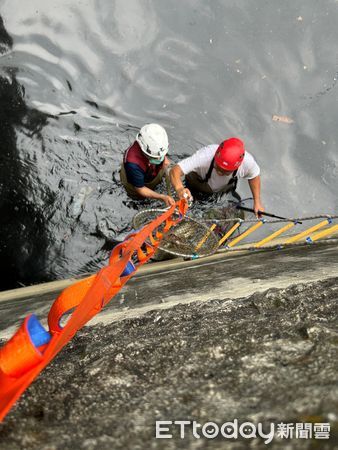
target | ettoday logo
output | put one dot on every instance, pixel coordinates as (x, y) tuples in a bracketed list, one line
[(245, 430), (211, 430)]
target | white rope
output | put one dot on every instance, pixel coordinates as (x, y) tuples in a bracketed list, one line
[(236, 219)]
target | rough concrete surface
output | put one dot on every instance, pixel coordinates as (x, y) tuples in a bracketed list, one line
[(269, 357)]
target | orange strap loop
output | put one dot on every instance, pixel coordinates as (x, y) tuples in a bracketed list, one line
[(141, 255), (26, 354), (153, 241), (159, 235), (168, 224), (67, 301)]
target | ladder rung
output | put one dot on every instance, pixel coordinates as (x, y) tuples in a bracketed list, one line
[(245, 234), (274, 235), (307, 232)]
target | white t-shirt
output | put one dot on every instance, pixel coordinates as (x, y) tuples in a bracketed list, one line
[(200, 162)]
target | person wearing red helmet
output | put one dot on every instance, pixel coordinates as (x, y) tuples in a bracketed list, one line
[(217, 168)]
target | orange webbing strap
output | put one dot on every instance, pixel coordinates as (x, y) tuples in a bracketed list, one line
[(168, 224), (87, 297), (66, 301), (153, 241), (26, 354)]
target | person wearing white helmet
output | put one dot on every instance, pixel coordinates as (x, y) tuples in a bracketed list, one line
[(145, 162)]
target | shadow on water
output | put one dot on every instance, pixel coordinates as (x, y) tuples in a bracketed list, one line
[(21, 221), (61, 203)]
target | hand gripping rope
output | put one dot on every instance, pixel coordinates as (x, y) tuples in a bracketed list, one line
[(31, 349)]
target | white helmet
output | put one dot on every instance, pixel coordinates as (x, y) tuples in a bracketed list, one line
[(153, 141)]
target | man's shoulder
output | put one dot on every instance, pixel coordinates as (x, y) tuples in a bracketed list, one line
[(207, 152), (134, 148), (249, 168), (211, 148), (249, 159), (134, 155), (198, 160)]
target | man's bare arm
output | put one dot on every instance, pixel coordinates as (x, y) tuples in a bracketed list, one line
[(176, 174), (149, 193), (255, 187)]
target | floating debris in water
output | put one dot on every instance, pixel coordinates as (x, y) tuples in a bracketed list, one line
[(78, 201), (106, 229), (284, 119)]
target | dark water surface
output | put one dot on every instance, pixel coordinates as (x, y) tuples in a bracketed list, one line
[(77, 79)]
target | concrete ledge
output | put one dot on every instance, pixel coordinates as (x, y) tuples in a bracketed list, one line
[(155, 267)]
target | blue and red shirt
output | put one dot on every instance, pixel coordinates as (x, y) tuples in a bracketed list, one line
[(138, 168)]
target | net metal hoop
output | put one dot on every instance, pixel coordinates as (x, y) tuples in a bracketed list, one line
[(183, 238)]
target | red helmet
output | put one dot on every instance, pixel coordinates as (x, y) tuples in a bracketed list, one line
[(230, 154)]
